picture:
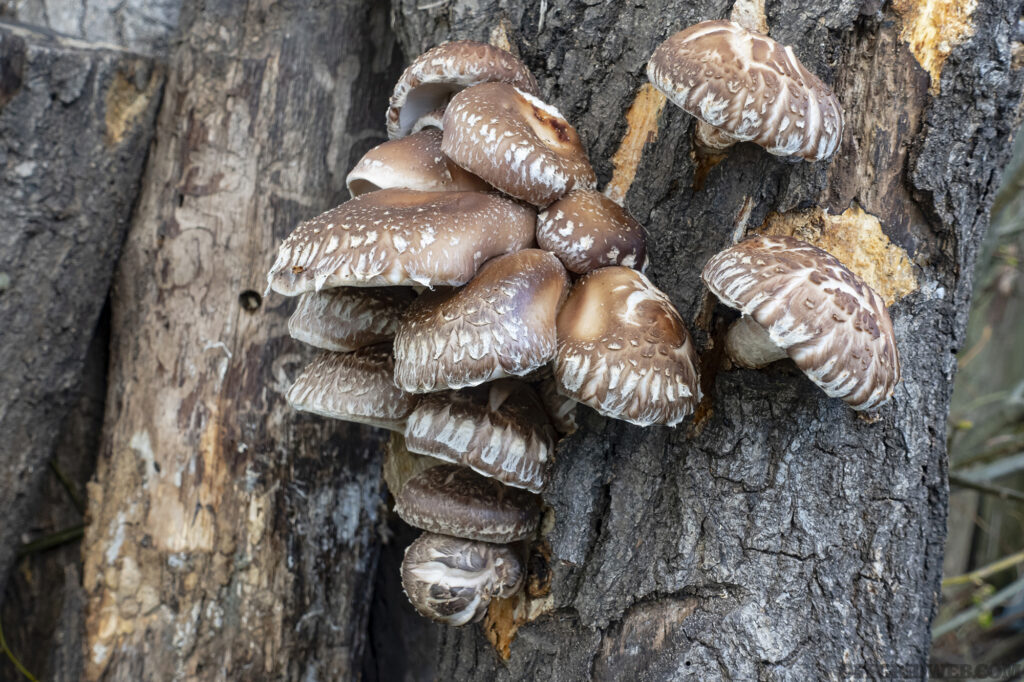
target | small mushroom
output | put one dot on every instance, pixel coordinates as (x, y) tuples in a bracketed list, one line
[(453, 580), (624, 351), (800, 301), (429, 82), (413, 162), (516, 143), (499, 430), (355, 387), (453, 500), (401, 237), (587, 231), (348, 318), (432, 120), (747, 87), (500, 324)]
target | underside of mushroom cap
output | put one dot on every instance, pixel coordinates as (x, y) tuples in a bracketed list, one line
[(348, 318), (453, 580), (500, 324), (749, 87), (355, 387), (516, 143), (587, 231), (624, 351), (454, 500), (833, 325), (499, 430), (429, 82), (401, 237)]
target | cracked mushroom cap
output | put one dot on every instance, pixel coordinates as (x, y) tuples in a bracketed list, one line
[(750, 88), (413, 162), (453, 500), (429, 82), (587, 231), (827, 320), (498, 430), (500, 324), (516, 143), (401, 237), (348, 318), (624, 351), (452, 580), (355, 387)]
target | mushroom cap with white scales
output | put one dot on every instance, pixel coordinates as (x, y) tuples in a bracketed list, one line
[(587, 230), (348, 318)]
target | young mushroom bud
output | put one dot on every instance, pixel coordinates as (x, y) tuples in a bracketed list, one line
[(429, 82), (432, 120), (453, 580), (587, 231), (516, 143), (747, 87), (800, 301), (624, 351), (348, 318)]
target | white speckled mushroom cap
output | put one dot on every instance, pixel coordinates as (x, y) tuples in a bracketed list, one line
[(428, 83), (348, 318), (500, 324), (749, 87), (587, 231), (453, 580), (413, 162), (833, 325), (516, 143), (355, 387), (401, 237), (624, 351)]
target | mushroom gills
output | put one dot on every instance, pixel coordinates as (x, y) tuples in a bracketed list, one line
[(748, 344)]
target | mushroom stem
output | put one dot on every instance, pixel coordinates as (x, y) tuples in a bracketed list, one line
[(749, 345), (712, 139), (750, 15)]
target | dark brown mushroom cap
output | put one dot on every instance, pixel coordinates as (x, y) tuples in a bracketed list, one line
[(500, 324), (833, 325), (587, 231), (516, 143), (453, 580), (624, 351), (453, 500), (354, 387), (414, 162), (401, 237), (429, 82), (749, 87), (499, 430), (348, 318)]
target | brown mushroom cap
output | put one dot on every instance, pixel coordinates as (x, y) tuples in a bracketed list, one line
[(355, 387), (453, 500), (516, 143), (624, 351), (749, 87), (348, 318), (413, 162), (435, 119), (428, 83), (587, 231), (453, 580), (833, 325), (499, 430), (500, 324), (401, 237)]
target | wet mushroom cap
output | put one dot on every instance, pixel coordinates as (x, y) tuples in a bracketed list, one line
[(830, 323), (429, 82), (587, 231), (453, 580), (348, 318), (356, 387), (414, 162), (453, 500), (500, 324), (401, 237), (749, 87), (499, 430), (624, 351), (516, 143)]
